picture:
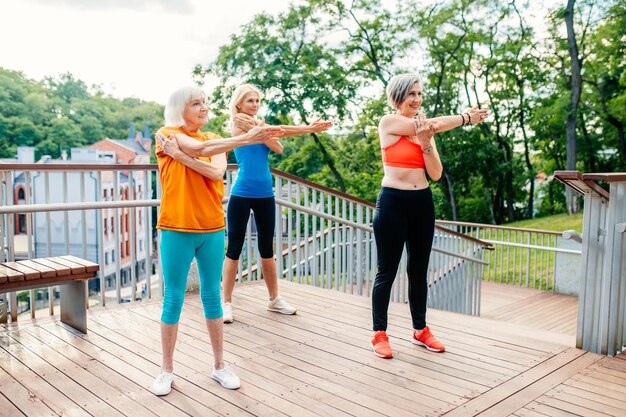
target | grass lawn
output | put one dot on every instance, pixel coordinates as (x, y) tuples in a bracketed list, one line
[(557, 222)]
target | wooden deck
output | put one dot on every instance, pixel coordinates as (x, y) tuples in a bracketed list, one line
[(317, 363)]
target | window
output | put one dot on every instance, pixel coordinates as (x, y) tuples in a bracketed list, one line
[(22, 223), (105, 195), (106, 258), (127, 248), (112, 226), (127, 222), (113, 255), (139, 192), (140, 245), (106, 227), (20, 194), (140, 216)]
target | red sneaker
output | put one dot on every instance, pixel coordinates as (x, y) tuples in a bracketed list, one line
[(427, 340), (380, 345)]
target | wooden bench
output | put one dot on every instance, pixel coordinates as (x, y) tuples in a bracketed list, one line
[(69, 272)]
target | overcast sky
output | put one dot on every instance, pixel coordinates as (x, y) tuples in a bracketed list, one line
[(140, 48)]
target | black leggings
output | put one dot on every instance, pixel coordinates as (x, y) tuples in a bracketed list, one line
[(237, 216), (402, 217)]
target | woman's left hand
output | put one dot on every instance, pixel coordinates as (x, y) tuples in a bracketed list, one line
[(424, 130), (169, 146), (244, 122), (320, 125), (476, 115)]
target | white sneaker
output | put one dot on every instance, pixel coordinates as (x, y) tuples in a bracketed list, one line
[(163, 383), (280, 306), (226, 376), (227, 309)]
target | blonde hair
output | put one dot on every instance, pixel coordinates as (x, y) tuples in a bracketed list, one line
[(238, 95), (175, 106), (399, 87)]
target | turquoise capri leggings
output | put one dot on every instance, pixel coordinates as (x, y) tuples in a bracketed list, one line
[(177, 251)]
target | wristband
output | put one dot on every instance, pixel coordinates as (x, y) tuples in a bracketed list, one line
[(462, 120), (469, 118), (428, 150)]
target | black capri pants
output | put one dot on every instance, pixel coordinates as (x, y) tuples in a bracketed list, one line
[(402, 217), (237, 216)]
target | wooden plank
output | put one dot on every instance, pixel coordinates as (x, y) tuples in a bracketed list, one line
[(335, 355), (21, 398), (8, 409), (300, 376), (545, 383), (3, 277), (262, 390), (458, 337), (188, 380), (61, 270), (549, 411), (11, 274), (43, 282), (503, 391), (45, 271), (450, 363), (91, 403), (29, 273), (109, 388), (579, 406), (55, 399), (74, 267), (271, 377), (90, 266), (140, 371), (585, 397)]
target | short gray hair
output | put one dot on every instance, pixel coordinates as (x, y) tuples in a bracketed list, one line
[(175, 106), (399, 87)]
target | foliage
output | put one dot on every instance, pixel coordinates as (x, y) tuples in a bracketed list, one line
[(60, 113)]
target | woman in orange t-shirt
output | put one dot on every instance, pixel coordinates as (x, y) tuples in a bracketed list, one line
[(191, 222)]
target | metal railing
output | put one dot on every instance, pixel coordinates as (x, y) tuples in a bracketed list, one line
[(323, 238), (601, 326), (523, 257)]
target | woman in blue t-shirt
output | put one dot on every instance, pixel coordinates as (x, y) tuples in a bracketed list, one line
[(253, 191)]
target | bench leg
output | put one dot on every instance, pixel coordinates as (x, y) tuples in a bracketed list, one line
[(3, 309), (73, 312)]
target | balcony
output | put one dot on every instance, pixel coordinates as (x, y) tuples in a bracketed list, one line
[(510, 349)]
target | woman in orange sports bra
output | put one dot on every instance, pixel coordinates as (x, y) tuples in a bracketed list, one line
[(405, 214)]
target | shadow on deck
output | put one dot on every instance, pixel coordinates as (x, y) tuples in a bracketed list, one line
[(317, 363)]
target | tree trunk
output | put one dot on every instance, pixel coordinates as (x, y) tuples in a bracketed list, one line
[(591, 165), (449, 185), (529, 165), (327, 158), (576, 86)]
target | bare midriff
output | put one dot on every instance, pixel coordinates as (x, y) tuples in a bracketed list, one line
[(404, 178)]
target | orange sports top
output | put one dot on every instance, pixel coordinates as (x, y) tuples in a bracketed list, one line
[(190, 202), (403, 154)]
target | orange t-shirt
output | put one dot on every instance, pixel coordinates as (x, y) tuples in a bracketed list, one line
[(190, 202)]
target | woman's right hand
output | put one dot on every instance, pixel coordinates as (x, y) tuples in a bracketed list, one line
[(424, 130), (244, 122), (262, 132), (169, 146)]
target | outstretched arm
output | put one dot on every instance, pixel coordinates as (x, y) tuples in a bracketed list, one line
[(213, 170), (397, 125), (195, 148), (245, 123), (473, 115)]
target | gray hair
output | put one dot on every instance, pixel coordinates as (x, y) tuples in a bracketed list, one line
[(175, 106), (399, 87)]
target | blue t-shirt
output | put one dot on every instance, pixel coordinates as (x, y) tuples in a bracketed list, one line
[(254, 179)]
